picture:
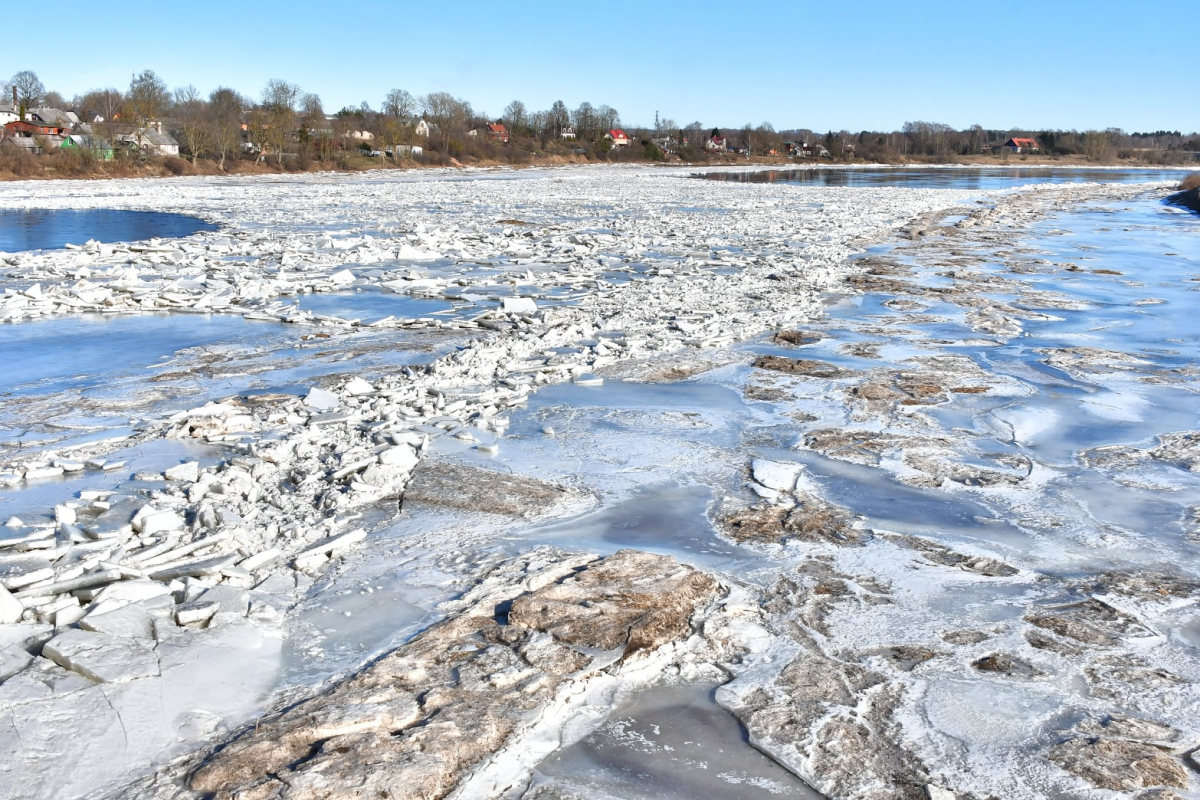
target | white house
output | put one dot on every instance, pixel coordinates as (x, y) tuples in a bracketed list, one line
[(618, 137), (568, 133), (8, 114), (151, 139), (421, 128)]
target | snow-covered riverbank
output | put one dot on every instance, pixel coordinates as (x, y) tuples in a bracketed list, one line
[(566, 278)]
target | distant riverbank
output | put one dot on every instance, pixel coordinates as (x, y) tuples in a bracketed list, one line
[(75, 166)]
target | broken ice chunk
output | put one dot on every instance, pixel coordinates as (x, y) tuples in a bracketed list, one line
[(358, 387), (776, 475), (518, 305), (101, 657), (10, 607), (188, 472), (12, 660), (321, 400)]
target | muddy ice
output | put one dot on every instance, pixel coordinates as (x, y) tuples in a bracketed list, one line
[(533, 481)]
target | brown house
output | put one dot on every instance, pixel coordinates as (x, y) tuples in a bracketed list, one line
[(498, 132), (1022, 145), (28, 129)]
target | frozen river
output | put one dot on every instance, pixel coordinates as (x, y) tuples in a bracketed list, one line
[(920, 460)]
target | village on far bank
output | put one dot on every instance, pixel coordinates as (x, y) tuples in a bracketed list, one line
[(177, 132)]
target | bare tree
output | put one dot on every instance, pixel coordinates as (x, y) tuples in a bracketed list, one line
[(30, 90), (585, 121), (558, 118), (447, 112), (148, 97), (399, 104), (279, 99), (608, 118), (105, 103), (192, 116), (516, 117), (224, 120)]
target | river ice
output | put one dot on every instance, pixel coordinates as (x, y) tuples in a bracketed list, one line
[(946, 484)]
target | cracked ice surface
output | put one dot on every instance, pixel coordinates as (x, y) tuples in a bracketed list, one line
[(559, 420)]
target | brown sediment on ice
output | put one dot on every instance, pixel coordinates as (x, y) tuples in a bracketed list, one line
[(801, 366), (417, 721), (452, 484), (797, 338), (811, 521), (1119, 765)]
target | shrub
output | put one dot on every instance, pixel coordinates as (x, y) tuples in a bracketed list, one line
[(1192, 181), (175, 165)]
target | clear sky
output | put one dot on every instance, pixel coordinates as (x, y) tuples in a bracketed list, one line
[(853, 65)]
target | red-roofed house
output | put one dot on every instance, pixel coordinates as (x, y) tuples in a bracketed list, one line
[(618, 137), (498, 132), (1022, 145)]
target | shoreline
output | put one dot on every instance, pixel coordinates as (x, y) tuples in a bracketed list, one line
[(764, 164)]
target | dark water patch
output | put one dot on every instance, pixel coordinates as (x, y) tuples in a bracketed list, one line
[(47, 229), (667, 742), (1189, 199), (983, 179)]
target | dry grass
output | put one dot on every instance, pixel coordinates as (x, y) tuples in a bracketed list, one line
[(1192, 181)]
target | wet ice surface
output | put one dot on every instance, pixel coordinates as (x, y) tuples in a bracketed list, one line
[(118, 369), (670, 741)]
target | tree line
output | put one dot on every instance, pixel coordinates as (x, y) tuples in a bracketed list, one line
[(290, 128)]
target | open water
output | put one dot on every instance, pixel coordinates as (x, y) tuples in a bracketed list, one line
[(46, 229)]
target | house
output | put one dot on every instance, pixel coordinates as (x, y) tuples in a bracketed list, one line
[(666, 142), (421, 128), (150, 139), (618, 137), (53, 116), (567, 133), (26, 143), (1021, 145), (360, 136), (498, 132), (99, 148), (27, 129), (408, 150), (806, 150), (34, 137), (716, 143), (9, 114)]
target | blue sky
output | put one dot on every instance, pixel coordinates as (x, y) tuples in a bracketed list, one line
[(864, 65)]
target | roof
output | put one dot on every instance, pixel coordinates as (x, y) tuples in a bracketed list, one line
[(617, 133), (54, 116), (1024, 142), (151, 136), (497, 127), (27, 142), (89, 142), (18, 124)]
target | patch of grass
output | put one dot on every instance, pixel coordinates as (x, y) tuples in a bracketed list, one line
[(1192, 181)]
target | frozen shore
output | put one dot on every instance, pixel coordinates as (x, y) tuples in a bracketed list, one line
[(569, 277)]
